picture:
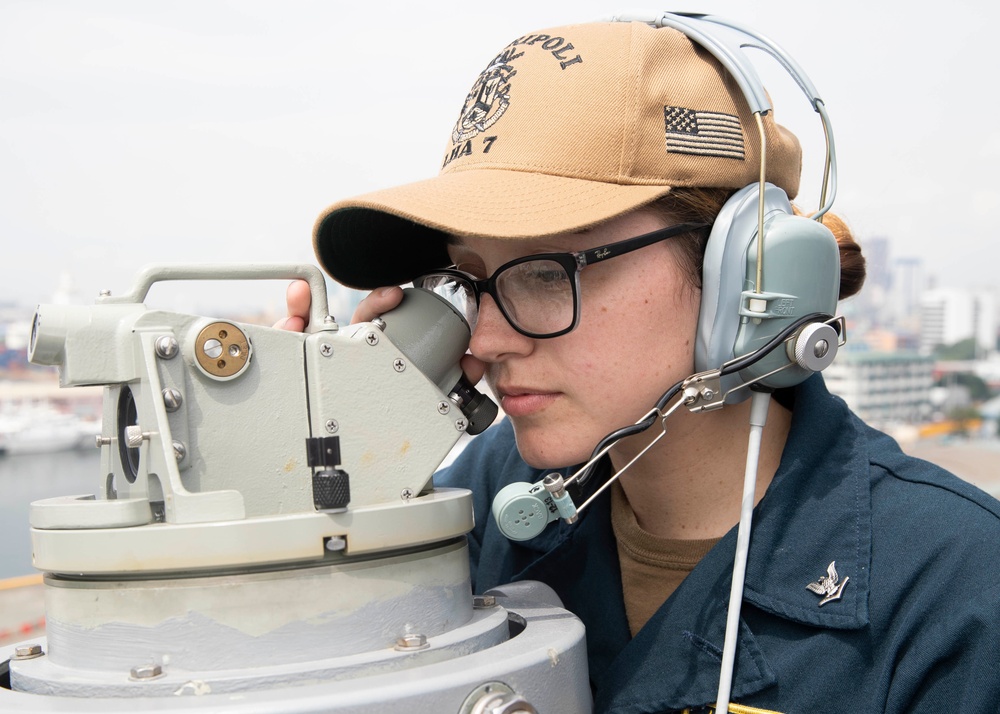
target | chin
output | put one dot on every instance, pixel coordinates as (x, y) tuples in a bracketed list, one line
[(551, 451)]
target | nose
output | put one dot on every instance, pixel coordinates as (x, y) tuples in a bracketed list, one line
[(493, 338)]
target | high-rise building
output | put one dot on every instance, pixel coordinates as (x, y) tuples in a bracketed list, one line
[(907, 285), (948, 316)]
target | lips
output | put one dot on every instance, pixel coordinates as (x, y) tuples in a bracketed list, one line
[(520, 401)]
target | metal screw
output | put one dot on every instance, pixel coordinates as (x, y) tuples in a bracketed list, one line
[(409, 643), (708, 394), (332, 426), (461, 424), (398, 365), (379, 323), (28, 651), (147, 672), (102, 441), (212, 348), (821, 348), (166, 347), (481, 602), (406, 494), (172, 399), (443, 407), (180, 451), (325, 349), (371, 338)]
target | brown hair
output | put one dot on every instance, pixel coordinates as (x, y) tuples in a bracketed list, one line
[(702, 205)]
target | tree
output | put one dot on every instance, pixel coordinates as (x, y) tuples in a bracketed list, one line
[(962, 350), (979, 391)]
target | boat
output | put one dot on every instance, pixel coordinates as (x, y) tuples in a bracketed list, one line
[(41, 428)]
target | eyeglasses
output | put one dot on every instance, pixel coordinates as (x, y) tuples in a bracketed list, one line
[(539, 295)]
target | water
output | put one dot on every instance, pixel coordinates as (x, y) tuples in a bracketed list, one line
[(29, 477)]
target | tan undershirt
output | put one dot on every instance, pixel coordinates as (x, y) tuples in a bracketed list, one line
[(652, 567)]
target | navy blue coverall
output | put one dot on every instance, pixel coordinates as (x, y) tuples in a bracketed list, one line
[(917, 626)]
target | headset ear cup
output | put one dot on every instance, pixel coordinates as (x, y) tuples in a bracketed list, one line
[(724, 271), (801, 274)]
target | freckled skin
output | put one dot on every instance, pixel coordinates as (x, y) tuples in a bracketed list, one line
[(610, 370)]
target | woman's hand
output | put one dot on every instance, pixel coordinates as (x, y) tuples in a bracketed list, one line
[(377, 302), (298, 299)]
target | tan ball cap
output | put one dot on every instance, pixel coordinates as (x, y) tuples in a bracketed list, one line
[(564, 129)]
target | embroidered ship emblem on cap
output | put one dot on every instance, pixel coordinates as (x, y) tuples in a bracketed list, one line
[(703, 133), (488, 99), (828, 586)]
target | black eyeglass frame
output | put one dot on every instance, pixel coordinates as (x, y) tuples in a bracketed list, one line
[(572, 263)]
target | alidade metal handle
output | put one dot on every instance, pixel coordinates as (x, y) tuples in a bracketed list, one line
[(162, 272)]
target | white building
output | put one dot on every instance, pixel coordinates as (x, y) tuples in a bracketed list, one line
[(907, 284), (883, 388), (948, 316)]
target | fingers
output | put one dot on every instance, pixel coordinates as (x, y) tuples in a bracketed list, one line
[(376, 303), (298, 299)]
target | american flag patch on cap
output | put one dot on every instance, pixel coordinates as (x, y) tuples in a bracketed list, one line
[(703, 133)]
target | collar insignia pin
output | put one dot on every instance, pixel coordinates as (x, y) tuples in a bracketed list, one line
[(827, 586)]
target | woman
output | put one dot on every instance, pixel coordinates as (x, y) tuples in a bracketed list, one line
[(867, 584)]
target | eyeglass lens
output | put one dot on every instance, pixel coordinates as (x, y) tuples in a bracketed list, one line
[(536, 296)]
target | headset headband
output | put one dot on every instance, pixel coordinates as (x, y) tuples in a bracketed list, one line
[(733, 57)]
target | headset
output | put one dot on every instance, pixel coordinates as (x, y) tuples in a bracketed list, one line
[(770, 285), (764, 266)]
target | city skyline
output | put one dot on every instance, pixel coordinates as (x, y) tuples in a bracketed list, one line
[(217, 132)]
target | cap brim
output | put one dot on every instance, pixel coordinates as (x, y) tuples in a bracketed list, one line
[(391, 236)]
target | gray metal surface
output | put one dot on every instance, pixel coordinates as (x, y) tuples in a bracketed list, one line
[(545, 662)]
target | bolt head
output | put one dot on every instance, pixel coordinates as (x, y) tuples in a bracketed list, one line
[(461, 424), (443, 407), (398, 365), (412, 642), (371, 338), (166, 347), (406, 494), (147, 671), (332, 426), (172, 399), (326, 349), (29, 651)]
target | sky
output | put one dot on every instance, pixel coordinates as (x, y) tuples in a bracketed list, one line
[(205, 131)]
